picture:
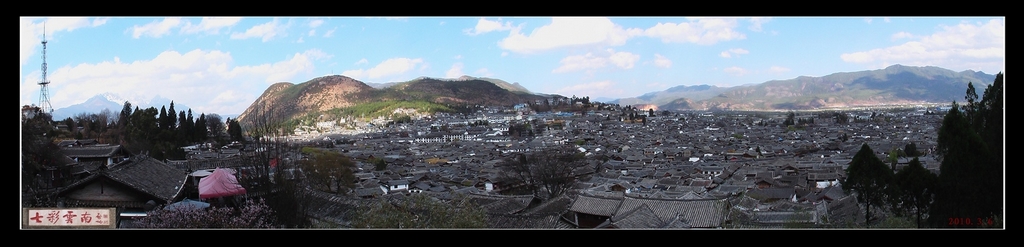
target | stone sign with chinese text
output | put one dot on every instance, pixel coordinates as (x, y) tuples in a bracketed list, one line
[(57, 218)]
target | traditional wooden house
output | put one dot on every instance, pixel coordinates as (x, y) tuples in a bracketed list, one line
[(395, 185), (111, 154), (590, 211), (127, 186)]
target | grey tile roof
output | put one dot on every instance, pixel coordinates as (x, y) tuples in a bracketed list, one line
[(782, 217), (773, 193), (641, 217), (504, 221), (602, 206), (150, 176), (333, 208), (501, 204), (144, 174), (92, 151), (699, 213), (556, 206), (369, 191), (200, 164)]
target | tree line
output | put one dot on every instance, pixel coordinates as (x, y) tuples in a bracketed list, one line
[(161, 132)]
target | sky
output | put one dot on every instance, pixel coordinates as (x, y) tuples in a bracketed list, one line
[(222, 64)]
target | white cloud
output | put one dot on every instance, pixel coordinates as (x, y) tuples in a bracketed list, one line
[(737, 71), (567, 32), (31, 31), (868, 20), (265, 31), (624, 60), (362, 61), (978, 46), (317, 54), (590, 61), (728, 53), (390, 67), (156, 29), (702, 31), (185, 78), (756, 22), (210, 25), (484, 26), (312, 33), (300, 40), (581, 62), (662, 61), (329, 33), (458, 56), (99, 21), (902, 35), (778, 69), (315, 23), (455, 71)]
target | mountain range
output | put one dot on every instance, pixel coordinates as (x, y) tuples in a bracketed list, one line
[(895, 84)]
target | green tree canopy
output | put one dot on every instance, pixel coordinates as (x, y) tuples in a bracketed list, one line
[(329, 171), (911, 150)]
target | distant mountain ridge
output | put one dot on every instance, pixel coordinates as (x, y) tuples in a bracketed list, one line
[(896, 84), (697, 92)]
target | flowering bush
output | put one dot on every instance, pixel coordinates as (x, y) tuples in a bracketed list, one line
[(251, 214)]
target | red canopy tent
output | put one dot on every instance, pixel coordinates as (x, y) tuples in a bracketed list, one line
[(220, 183)]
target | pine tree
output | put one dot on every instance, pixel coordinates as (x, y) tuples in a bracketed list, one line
[(870, 179), (993, 134), (162, 120), (183, 134), (172, 118), (961, 192), (190, 132), (916, 189), (201, 132), (234, 130)]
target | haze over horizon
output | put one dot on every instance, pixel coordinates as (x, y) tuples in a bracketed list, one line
[(222, 64)]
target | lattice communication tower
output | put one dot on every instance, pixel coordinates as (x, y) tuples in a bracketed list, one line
[(44, 95)]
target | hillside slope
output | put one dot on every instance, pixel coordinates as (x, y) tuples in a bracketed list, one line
[(287, 101)]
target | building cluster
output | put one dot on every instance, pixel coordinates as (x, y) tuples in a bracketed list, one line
[(670, 170)]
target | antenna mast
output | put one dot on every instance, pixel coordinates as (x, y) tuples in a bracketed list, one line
[(44, 96)]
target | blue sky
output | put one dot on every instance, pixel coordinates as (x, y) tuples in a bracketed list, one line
[(222, 64)]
